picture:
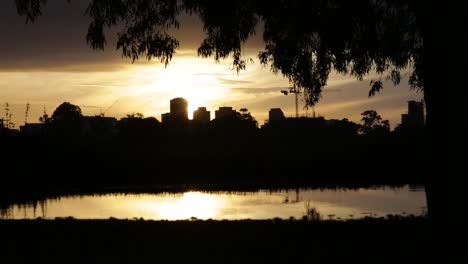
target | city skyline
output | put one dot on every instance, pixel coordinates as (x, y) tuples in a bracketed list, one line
[(412, 119), (230, 131), (344, 97), (47, 63)]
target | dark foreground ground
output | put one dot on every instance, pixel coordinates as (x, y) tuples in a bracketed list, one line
[(398, 240)]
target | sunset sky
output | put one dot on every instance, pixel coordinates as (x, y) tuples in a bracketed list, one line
[(48, 62)]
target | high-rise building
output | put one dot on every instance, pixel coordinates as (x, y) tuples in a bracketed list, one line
[(201, 115), (225, 112), (179, 108), (415, 116), (276, 115), (178, 111)]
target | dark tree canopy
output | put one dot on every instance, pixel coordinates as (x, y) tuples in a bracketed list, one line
[(67, 120), (67, 111), (136, 125), (304, 40), (373, 124)]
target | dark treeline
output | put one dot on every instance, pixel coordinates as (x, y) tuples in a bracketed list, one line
[(70, 152)]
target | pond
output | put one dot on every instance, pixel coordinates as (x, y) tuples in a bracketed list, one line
[(263, 204)]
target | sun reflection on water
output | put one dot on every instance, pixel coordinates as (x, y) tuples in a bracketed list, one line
[(225, 205), (191, 204)]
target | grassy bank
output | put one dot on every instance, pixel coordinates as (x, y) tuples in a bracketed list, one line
[(396, 240)]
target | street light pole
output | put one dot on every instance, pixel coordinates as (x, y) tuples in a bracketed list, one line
[(295, 92)]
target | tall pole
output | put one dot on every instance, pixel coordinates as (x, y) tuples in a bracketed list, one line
[(293, 90), (297, 104), (28, 106)]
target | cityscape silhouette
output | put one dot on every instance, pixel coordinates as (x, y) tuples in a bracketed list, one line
[(232, 170)]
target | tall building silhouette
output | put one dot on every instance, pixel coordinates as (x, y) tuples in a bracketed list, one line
[(415, 116), (178, 111), (179, 108), (201, 115)]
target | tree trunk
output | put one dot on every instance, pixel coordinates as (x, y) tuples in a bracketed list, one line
[(444, 129)]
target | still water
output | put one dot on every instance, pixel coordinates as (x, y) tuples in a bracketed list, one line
[(264, 204)]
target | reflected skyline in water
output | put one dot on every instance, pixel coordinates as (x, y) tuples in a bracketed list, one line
[(336, 204)]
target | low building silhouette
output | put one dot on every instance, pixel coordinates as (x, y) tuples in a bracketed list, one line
[(276, 115), (202, 116), (317, 127), (99, 126), (166, 117), (33, 129), (8, 132), (225, 112)]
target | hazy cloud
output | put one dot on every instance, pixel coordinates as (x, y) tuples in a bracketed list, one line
[(57, 40), (234, 82), (251, 90), (332, 90)]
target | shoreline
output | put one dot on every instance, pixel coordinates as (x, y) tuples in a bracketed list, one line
[(29, 196)]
